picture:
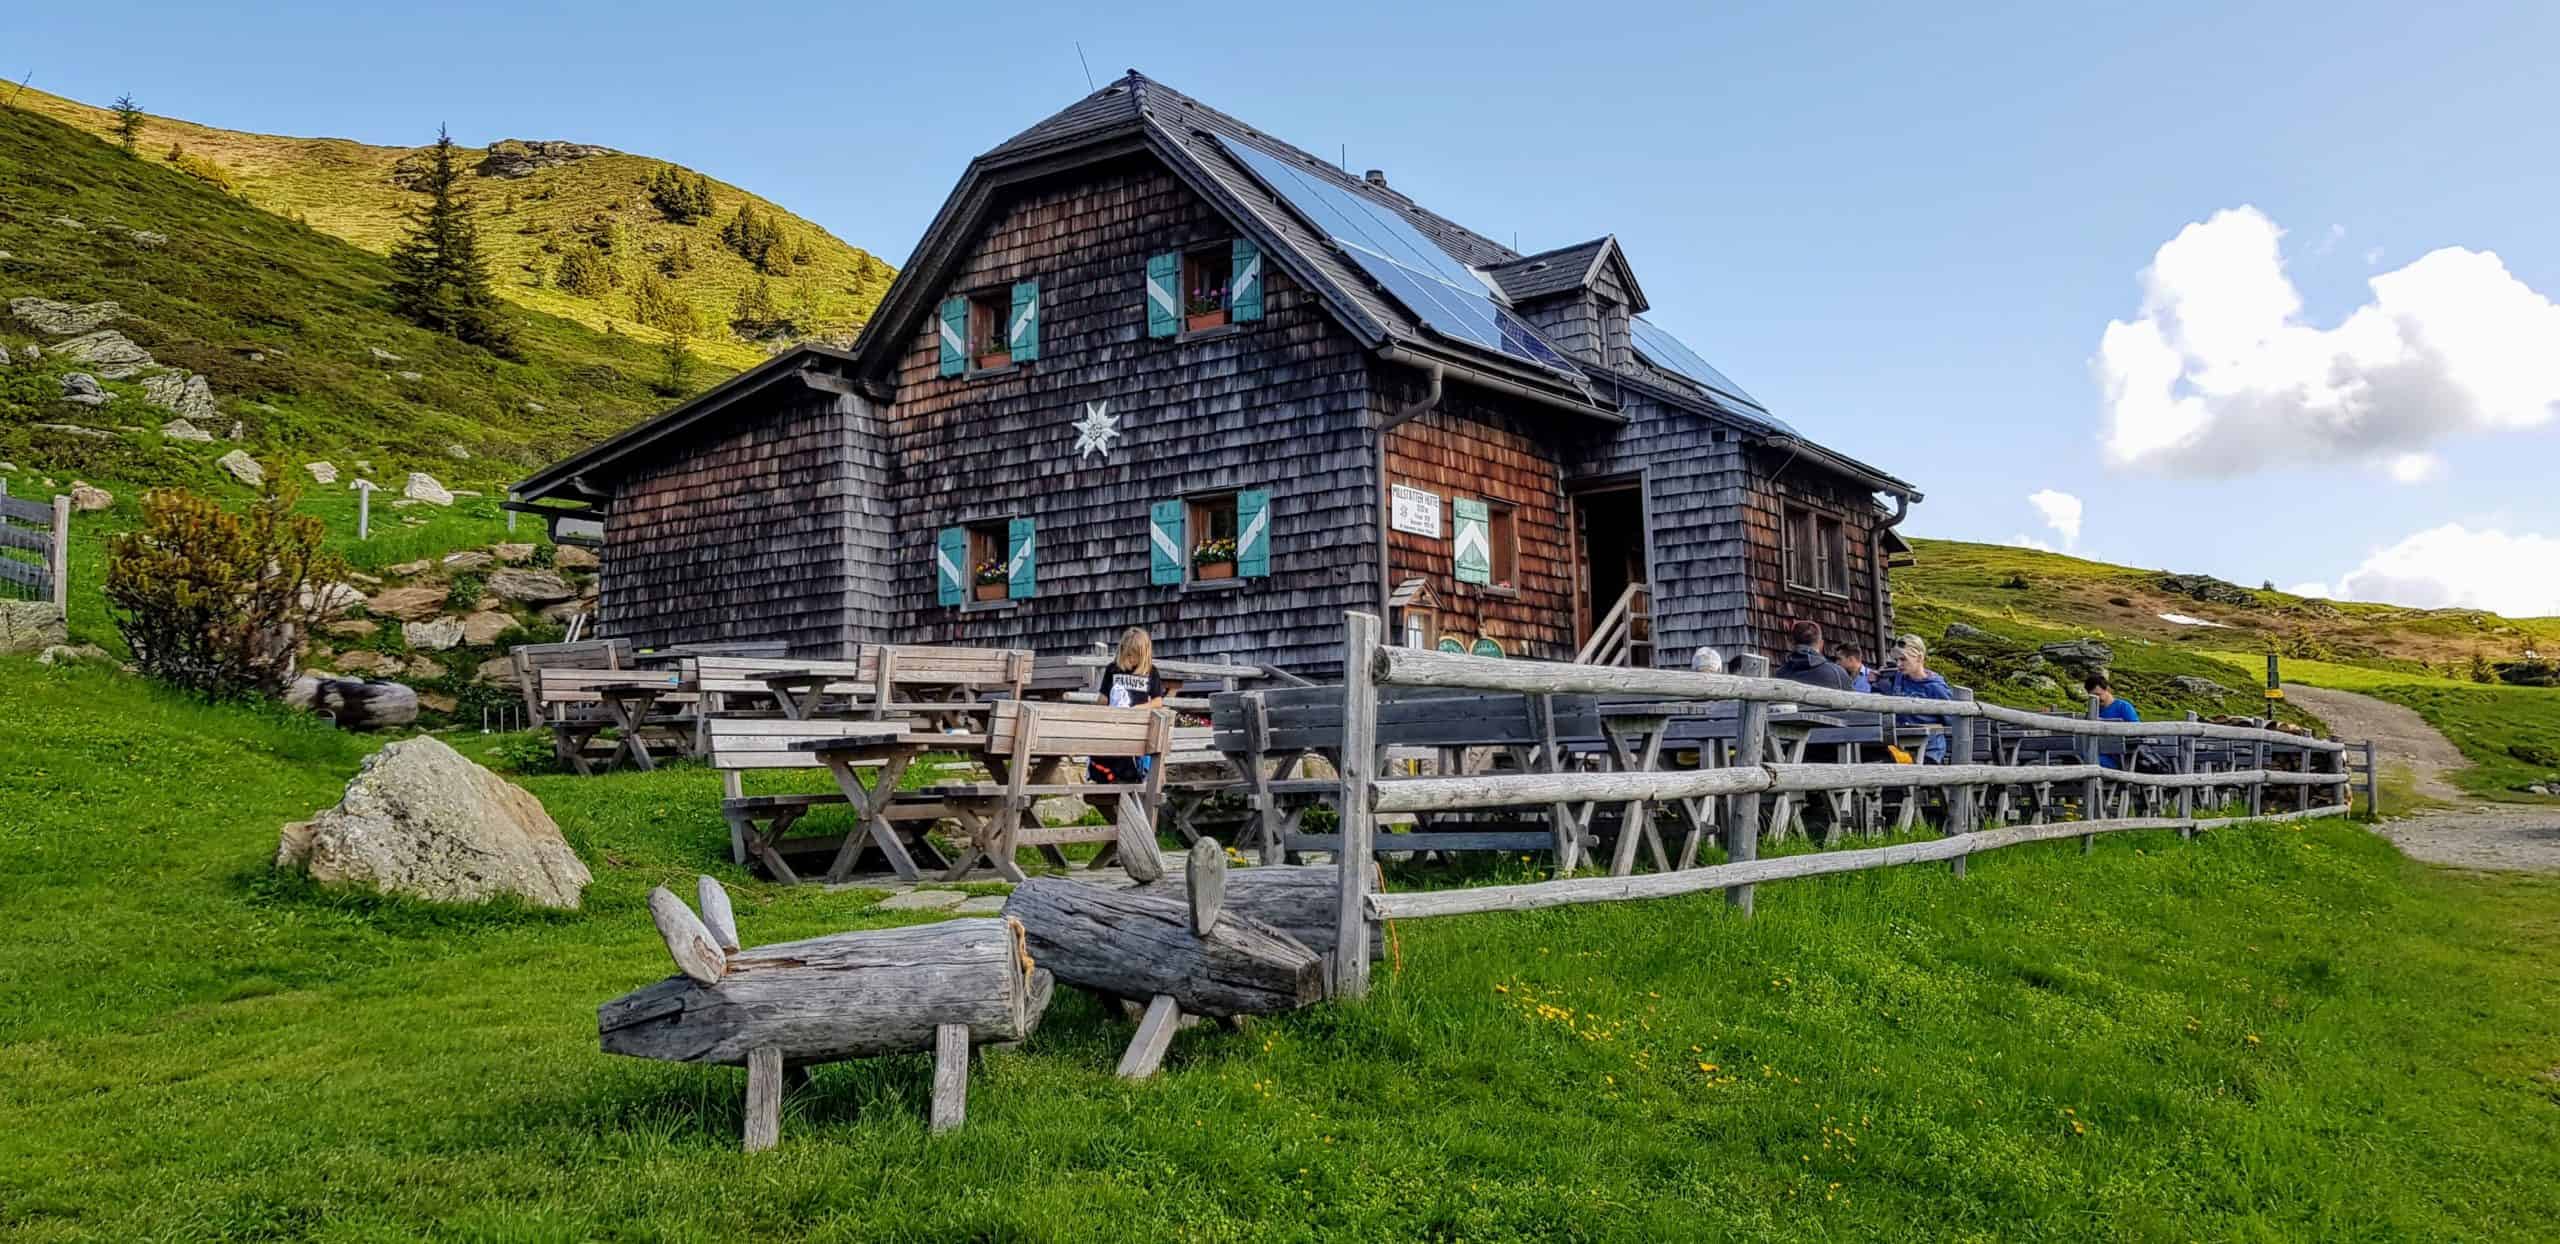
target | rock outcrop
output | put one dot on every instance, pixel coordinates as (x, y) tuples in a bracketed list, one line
[(81, 388), (322, 472), (421, 820), (31, 626), (107, 350), (242, 467), (183, 394), (89, 498), (181, 430), (408, 604), (63, 319), (2078, 653), (533, 587), (433, 635), (423, 487)]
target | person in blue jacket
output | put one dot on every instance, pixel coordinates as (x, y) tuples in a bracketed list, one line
[(1911, 676), (1853, 662), (2111, 707)]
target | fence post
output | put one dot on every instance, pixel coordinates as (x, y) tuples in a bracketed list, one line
[(2091, 794), (2187, 794), (2258, 790), (1357, 766), (60, 562), (2372, 785), (1742, 832), (1960, 810)]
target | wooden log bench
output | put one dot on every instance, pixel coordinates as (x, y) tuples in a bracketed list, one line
[(1181, 955), (779, 1009)]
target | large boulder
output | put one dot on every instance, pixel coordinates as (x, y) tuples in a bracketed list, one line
[(31, 626), (572, 557), (483, 629), (322, 472), (182, 430), (63, 319), (423, 487), (110, 352), (1959, 632), (243, 467), (88, 498), (184, 395), (81, 388), (432, 635), (533, 587), (2078, 653), (421, 820), (2194, 685), (409, 604)]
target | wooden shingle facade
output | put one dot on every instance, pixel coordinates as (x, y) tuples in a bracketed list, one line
[(1133, 376)]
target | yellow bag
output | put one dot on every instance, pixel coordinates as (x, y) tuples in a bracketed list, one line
[(1900, 756)]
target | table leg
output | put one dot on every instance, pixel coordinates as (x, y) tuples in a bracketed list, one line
[(621, 708), (869, 807)]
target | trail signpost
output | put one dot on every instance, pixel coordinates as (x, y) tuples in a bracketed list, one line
[(364, 507)]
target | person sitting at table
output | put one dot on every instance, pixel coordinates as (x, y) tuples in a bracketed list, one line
[(1131, 682), (1805, 663), (2111, 707), (1852, 661), (1912, 677)]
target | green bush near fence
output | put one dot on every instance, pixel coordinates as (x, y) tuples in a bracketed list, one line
[(2217, 1039)]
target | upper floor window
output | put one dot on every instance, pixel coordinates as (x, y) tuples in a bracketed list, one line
[(1207, 277), (1817, 552), (1203, 288), (988, 314), (989, 329)]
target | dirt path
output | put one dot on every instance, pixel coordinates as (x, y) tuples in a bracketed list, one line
[(2399, 734), (2471, 834)]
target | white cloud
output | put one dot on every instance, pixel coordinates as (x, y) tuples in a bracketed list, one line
[(2220, 376), (2313, 590), (2372, 256), (2455, 565), (2025, 541), (2419, 468), (2061, 512)]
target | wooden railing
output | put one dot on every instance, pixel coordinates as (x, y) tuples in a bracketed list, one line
[(42, 529), (1627, 628), (1366, 793)]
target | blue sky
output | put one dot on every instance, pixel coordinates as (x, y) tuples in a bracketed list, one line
[(1907, 231)]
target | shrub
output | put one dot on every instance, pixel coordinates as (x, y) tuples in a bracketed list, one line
[(215, 602), (2016, 582), (678, 261), (465, 590), (655, 302), (525, 751), (584, 272), (758, 239), (201, 169)]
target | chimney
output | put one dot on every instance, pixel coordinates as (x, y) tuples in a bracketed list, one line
[(1376, 177)]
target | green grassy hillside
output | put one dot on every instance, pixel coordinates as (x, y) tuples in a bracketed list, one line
[(2421, 658), (348, 190), (2163, 1041), (283, 321)]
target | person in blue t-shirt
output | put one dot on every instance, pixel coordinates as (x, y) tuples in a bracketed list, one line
[(2111, 707), (1911, 676), (1853, 662)]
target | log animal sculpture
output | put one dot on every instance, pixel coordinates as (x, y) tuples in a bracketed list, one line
[(1297, 899), (778, 1009), (1183, 954)]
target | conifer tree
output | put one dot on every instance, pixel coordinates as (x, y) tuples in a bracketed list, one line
[(439, 278), (128, 122)]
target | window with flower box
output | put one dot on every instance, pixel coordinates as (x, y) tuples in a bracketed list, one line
[(1210, 537), (984, 562), (1204, 288)]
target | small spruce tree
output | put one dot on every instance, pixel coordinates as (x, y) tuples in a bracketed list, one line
[(584, 272), (128, 122), (754, 317), (439, 278)]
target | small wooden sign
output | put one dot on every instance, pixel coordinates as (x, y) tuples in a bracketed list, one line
[(1415, 511)]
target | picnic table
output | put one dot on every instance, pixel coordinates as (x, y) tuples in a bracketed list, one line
[(801, 693), (627, 704), (889, 748)]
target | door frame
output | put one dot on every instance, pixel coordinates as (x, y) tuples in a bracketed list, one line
[(1586, 608)]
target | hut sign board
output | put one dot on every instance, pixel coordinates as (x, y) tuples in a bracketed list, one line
[(1416, 511)]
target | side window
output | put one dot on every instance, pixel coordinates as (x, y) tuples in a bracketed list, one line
[(1816, 552), (1503, 531), (1833, 550), (1798, 553), (1210, 537)]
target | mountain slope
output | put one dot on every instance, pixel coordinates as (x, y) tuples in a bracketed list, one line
[(538, 202), (2428, 660), (290, 328)]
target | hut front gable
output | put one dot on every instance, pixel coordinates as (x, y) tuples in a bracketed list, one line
[(1271, 406)]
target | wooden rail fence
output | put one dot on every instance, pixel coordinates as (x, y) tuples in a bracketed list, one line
[(1366, 794), (42, 529)]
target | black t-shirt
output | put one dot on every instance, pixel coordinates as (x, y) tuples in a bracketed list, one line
[(1122, 689)]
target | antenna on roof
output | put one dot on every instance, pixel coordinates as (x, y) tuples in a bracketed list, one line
[(1088, 67), (1345, 165)]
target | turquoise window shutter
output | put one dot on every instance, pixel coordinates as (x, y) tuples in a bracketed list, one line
[(1021, 574), (1474, 540), (955, 335), (1164, 294), (1244, 284), (1253, 534), (951, 565), (1023, 338), (1165, 551)]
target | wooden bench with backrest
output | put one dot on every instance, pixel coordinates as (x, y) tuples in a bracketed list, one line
[(1030, 746), (529, 660), (727, 683), (915, 679), (758, 823)]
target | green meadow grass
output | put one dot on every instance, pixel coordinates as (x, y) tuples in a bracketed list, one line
[(2274, 1033)]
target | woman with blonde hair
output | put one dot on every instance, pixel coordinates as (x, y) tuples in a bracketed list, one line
[(1131, 682)]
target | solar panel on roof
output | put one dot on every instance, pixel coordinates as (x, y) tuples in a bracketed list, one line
[(1668, 353), (1443, 293)]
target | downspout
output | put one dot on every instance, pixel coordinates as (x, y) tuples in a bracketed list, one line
[(1875, 559), (1415, 409)]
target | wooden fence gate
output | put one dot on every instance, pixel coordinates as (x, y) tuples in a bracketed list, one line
[(45, 531)]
